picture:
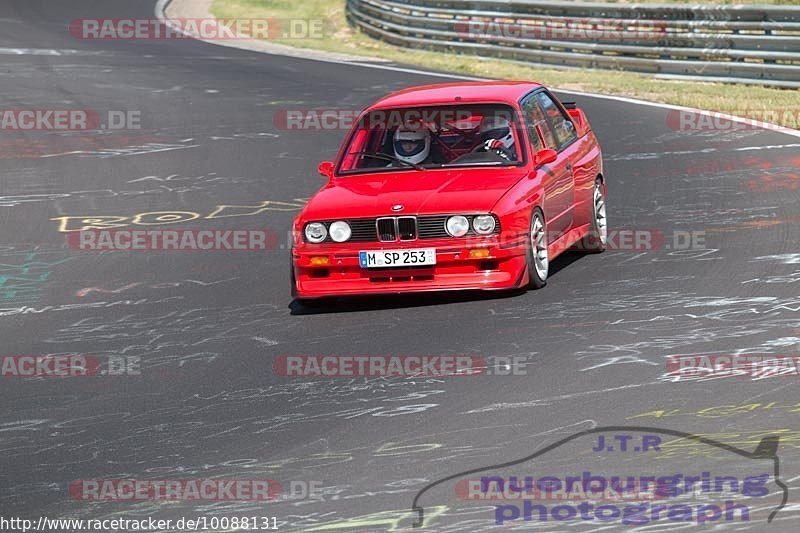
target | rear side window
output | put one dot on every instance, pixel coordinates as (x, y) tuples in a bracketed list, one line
[(538, 129), (562, 127)]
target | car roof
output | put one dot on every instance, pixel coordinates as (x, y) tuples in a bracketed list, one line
[(506, 92)]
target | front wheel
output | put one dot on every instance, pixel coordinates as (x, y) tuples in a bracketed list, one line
[(538, 258)]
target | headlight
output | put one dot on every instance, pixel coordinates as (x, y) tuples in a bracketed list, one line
[(483, 224), (340, 231), (316, 232), (457, 226)]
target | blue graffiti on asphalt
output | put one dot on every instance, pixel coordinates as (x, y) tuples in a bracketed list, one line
[(23, 275)]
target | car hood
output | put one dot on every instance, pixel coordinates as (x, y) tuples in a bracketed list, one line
[(419, 192)]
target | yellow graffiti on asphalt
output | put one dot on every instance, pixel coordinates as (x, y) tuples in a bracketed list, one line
[(789, 438), (68, 224), (685, 448), (719, 411)]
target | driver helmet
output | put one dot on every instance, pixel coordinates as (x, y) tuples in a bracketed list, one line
[(412, 145), (497, 127)]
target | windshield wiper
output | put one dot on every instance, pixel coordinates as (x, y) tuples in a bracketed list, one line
[(387, 157), (479, 164)]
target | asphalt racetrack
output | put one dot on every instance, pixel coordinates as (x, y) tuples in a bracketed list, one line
[(589, 350)]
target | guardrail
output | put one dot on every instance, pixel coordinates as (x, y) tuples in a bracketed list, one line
[(726, 43)]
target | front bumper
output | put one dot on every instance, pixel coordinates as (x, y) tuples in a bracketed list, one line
[(503, 267)]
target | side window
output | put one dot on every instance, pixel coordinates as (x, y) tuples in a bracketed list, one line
[(538, 129), (562, 127)]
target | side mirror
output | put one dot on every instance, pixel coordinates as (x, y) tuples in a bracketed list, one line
[(325, 169), (543, 157)]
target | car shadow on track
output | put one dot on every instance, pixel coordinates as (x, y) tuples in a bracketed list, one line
[(400, 301)]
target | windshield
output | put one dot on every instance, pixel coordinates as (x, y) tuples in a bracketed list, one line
[(433, 137)]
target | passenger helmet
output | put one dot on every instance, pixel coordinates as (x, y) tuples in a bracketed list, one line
[(495, 127)]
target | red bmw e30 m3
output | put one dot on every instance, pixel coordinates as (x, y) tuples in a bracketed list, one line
[(452, 186)]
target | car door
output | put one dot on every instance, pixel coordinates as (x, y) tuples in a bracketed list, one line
[(545, 130)]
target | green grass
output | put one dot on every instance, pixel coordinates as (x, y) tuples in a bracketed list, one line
[(748, 101)]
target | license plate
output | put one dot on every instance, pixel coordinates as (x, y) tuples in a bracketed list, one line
[(395, 258)]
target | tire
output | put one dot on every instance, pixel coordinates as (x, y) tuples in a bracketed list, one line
[(537, 257), (292, 278), (597, 239)]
